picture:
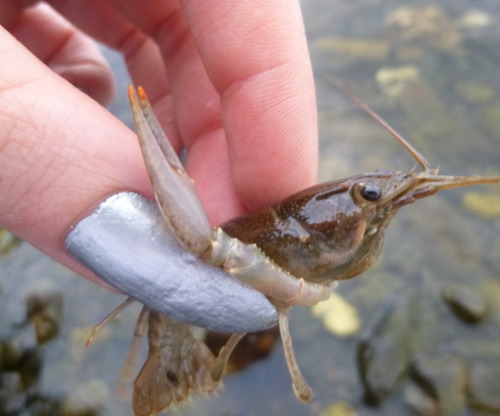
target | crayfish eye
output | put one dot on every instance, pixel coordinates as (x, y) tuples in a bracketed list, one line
[(370, 191), (366, 192)]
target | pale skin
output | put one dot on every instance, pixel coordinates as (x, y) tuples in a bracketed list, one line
[(231, 83)]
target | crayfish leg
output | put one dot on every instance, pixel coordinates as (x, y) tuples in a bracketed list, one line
[(108, 318), (224, 354), (300, 386), (140, 329)]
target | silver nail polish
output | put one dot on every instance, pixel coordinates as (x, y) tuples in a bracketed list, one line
[(125, 243)]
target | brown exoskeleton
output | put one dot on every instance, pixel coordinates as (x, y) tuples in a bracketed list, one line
[(293, 251), (177, 365)]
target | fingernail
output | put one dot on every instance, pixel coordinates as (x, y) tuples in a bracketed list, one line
[(126, 244)]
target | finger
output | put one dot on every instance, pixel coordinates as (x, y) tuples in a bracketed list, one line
[(256, 56), (196, 101), (265, 83), (146, 65), (64, 49), (273, 125), (193, 109), (60, 153), (104, 23)]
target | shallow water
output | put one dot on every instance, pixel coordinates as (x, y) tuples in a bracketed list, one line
[(432, 73)]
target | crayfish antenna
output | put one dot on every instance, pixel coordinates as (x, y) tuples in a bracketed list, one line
[(421, 160)]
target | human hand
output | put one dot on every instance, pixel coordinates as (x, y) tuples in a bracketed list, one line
[(230, 83)]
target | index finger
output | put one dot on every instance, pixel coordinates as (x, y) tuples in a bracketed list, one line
[(250, 124), (256, 56), (246, 66)]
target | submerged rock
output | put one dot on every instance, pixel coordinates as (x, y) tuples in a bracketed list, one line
[(465, 302), (439, 365)]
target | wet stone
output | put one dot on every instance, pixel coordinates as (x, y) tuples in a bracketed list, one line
[(383, 364), (419, 401), (338, 315), (393, 80), (384, 354), (30, 367), (44, 311), (475, 92), (339, 409), (465, 302), (442, 377), (429, 24), (351, 49), (484, 386), (87, 399), (474, 19), (40, 405), (12, 397), (11, 353), (486, 205)]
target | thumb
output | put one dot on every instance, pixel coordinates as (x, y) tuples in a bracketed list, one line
[(61, 153)]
